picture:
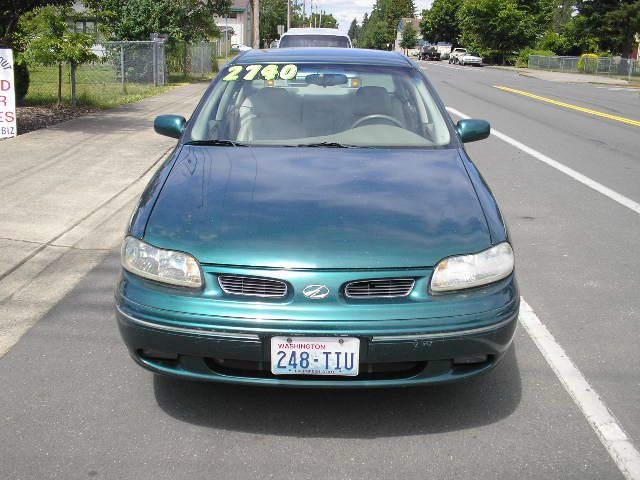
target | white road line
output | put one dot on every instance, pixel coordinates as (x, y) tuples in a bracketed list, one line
[(611, 434), (598, 187)]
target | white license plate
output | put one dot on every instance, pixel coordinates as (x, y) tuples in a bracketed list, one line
[(315, 355)]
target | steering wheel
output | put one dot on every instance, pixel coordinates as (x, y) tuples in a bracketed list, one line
[(376, 115)]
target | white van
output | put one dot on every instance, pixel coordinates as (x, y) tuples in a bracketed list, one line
[(314, 37)]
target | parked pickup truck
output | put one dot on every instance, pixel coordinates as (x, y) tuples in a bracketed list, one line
[(429, 53), (456, 53)]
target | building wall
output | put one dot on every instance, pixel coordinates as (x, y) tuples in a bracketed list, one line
[(242, 27)]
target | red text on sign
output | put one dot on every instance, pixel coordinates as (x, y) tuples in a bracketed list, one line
[(7, 117)]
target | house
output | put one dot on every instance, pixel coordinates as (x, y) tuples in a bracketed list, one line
[(87, 24), (240, 20), (415, 22)]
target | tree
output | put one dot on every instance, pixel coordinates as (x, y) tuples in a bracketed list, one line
[(12, 10), (375, 35), (379, 28), (440, 22), (354, 31), (328, 20), (497, 28), (272, 14), (183, 20), (48, 39), (409, 37), (611, 22), (396, 10), (363, 27), (562, 12)]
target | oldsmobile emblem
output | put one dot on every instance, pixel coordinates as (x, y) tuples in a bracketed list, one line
[(316, 291)]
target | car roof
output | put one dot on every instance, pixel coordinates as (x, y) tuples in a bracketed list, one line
[(314, 31), (325, 55)]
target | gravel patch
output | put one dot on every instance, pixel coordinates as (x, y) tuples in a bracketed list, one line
[(34, 118)]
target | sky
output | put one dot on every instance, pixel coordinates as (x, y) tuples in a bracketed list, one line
[(346, 11)]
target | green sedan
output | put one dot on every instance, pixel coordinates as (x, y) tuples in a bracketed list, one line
[(319, 224)]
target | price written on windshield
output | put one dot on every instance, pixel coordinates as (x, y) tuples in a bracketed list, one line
[(255, 72)]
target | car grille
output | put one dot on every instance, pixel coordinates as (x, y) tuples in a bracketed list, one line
[(380, 288), (368, 371), (252, 286)]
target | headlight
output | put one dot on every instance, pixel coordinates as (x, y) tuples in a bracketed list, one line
[(466, 271), (164, 266)]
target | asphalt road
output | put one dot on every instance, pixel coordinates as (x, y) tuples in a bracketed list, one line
[(73, 405)]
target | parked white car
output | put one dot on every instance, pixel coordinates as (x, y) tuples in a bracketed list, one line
[(456, 53), (471, 58), (239, 47), (314, 37)]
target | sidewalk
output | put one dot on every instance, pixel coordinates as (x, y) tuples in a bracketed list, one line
[(68, 191), (564, 77)]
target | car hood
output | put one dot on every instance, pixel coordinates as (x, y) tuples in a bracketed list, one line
[(318, 207)]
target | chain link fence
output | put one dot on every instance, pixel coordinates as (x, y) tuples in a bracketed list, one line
[(126, 67), (615, 66), (196, 58), (136, 62)]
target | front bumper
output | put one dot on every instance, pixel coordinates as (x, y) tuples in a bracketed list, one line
[(434, 350)]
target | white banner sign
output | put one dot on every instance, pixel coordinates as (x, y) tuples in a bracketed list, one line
[(8, 126)]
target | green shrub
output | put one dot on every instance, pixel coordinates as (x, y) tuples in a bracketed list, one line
[(21, 74), (550, 41), (523, 56), (588, 63)]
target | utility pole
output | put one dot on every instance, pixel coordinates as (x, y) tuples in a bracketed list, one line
[(304, 11), (320, 18), (256, 23), (288, 14)]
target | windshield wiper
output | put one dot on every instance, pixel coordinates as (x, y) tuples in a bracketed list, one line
[(327, 144), (216, 143)]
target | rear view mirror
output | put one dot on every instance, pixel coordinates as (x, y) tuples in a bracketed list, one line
[(326, 79), (170, 125), (471, 130)]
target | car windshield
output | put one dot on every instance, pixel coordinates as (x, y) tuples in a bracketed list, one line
[(473, 54), (320, 105), (314, 41)]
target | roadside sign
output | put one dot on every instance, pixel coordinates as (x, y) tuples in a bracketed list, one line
[(280, 29), (8, 127), (161, 37)]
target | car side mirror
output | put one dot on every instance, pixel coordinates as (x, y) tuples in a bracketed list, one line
[(471, 130), (170, 125)]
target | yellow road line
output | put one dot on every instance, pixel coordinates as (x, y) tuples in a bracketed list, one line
[(570, 106)]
